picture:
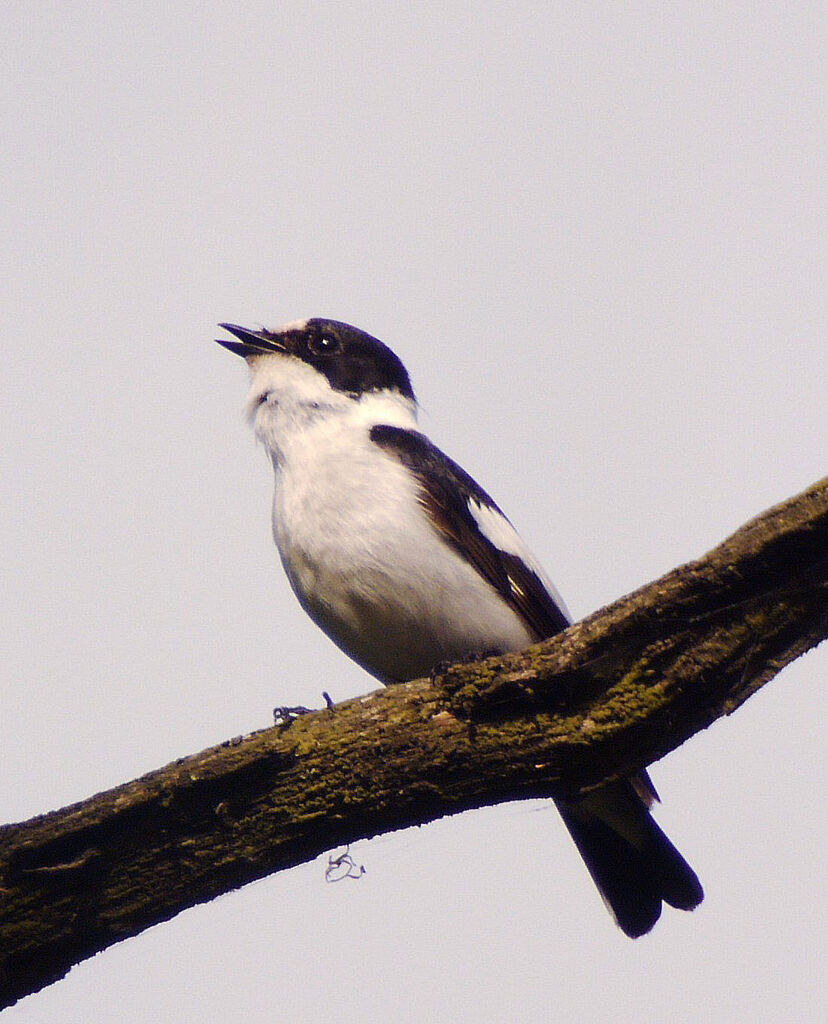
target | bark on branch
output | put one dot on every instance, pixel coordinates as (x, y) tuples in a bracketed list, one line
[(612, 694)]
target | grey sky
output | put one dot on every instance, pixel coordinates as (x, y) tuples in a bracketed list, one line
[(595, 234)]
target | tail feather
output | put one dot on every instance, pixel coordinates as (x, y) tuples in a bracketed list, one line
[(632, 862)]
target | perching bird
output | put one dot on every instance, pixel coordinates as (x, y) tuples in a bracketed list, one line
[(406, 563)]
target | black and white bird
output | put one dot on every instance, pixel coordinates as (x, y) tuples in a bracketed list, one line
[(406, 563)]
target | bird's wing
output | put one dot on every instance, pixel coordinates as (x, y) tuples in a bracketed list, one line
[(467, 519)]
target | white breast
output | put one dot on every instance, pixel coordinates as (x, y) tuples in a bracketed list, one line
[(366, 563)]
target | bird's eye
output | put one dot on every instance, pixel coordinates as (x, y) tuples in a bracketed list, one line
[(324, 344)]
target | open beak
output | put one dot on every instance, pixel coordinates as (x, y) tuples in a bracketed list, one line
[(251, 343)]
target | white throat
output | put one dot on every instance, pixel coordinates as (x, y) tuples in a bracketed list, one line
[(290, 400)]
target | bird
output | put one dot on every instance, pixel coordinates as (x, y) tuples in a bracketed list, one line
[(407, 564)]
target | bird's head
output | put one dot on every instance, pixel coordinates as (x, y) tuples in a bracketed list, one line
[(311, 367)]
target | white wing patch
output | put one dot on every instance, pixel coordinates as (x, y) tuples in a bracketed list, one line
[(497, 529)]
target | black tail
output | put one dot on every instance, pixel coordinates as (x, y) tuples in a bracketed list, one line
[(633, 863)]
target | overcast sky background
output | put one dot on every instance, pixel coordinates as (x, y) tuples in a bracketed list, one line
[(596, 235)]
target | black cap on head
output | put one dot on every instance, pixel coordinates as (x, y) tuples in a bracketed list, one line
[(351, 360)]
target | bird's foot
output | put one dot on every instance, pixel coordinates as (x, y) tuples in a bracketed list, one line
[(286, 714)]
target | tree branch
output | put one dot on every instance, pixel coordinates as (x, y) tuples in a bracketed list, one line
[(611, 694)]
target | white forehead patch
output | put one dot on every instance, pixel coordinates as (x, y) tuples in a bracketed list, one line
[(294, 325)]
